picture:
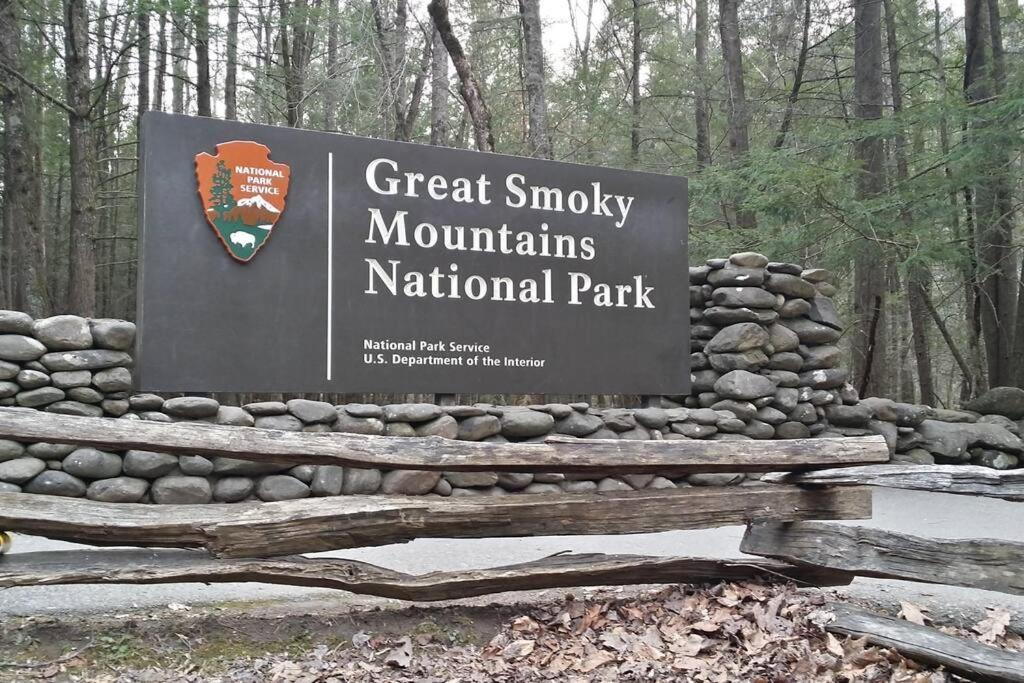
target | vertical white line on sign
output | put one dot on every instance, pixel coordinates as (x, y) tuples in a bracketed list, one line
[(330, 256)]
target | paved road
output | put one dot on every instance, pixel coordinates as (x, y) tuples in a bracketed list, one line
[(927, 514)]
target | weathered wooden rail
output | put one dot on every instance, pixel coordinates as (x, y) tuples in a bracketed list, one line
[(967, 480), (558, 454)]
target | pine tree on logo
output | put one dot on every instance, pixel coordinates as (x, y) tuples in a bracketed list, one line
[(221, 199)]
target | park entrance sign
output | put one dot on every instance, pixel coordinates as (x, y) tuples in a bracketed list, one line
[(282, 260)]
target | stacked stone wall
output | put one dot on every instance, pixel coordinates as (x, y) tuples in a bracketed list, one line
[(765, 365)]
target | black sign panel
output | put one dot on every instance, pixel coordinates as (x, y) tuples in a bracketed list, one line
[(283, 260)]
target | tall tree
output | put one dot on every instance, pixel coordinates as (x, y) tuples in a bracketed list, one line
[(870, 364), (736, 98), (179, 61), (143, 50), (538, 139), (204, 91), (634, 87), (330, 89), (798, 78), (161, 61), (231, 75), (296, 40), (469, 88), (83, 224), (438, 90), (701, 112)]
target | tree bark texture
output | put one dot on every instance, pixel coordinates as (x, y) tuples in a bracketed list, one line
[(736, 98), (538, 141)]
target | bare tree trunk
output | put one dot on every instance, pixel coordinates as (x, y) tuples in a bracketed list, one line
[(178, 63), (161, 62), (438, 91), (732, 63), (634, 90), (231, 77), (204, 94), (539, 139), (296, 40), (330, 94), (142, 20), (701, 113), (24, 244), (870, 362), (798, 79), (82, 270), (476, 107), (918, 277)]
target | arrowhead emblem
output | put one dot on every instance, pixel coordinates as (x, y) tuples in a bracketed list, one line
[(243, 195)]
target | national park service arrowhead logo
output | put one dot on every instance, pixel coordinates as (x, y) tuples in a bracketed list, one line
[(243, 194)]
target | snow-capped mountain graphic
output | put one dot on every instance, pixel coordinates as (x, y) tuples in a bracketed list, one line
[(259, 202)]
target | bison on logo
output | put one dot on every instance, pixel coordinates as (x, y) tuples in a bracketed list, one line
[(243, 194)]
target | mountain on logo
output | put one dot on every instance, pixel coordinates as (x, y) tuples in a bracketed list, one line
[(258, 201), (252, 211)]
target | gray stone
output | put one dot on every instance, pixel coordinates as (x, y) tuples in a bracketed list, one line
[(41, 396), (277, 487), (56, 483), (63, 332), (471, 479), (1004, 422), (20, 470), (234, 416), (478, 427), (786, 399), (694, 431), (233, 489), (736, 277), (361, 481), (45, 451), (459, 412), (76, 408), (245, 468), (15, 322), (363, 410), (181, 490), (771, 415), (826, 289), (653, 418), (804, 413), (810, 332), (88, 359), (786, 361), (794, 308), (32, 379), (703, 381), (997, 460), (618, 419), (698, 274), (148, 465), (888, 431), (358, 425), (113, 379), (580, 486), (578, 424), (881, 408), (154, 416), (737, 338), (916, 456), (848, 416), (90, 463), (744, 410), (1005, 401), (284, 423), (953, 416), (816, 275), (791, 286), (444, 426), (110, 333), (556, 410), (824, 311), (514, 481), (820, 357), (792, 430), (704, 416), (548, 477), (952, 440), (660, 483), (84, 395), (612, 484), (409, 482), (9, 488), (191, 407), (303, 473), (195, 465), (9, 389), (743, 297), (732, 425), (117, 490), (715, 479), (400, 429), (411, 412), (782, 338), (543, 489), (265, 408), (824, 379), (750, 361), (788, 268), (757, 429), (723, 315), (522, 424), (18, 347), (9, 450), (442, 488), (143, 401), (743, 385), (327, 480), (115, 407), (312, 412), (749, 259)]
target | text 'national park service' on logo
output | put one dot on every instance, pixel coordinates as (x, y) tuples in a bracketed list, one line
[(243, 194)]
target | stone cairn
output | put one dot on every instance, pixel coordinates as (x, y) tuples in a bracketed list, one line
[(765, 365)]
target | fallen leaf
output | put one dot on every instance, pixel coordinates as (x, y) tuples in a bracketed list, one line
[(400, 656), (993, 626), (599, 658), (518, 649), (833, 645), (912, 613)]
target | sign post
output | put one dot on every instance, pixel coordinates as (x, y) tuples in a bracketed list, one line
[(279, 260)]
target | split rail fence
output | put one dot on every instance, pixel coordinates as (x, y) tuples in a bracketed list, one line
[(807, 481)]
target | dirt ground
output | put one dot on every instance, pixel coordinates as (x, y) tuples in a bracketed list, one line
[(723, 632)]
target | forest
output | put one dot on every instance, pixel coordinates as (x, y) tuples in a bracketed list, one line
[(880, 139)]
